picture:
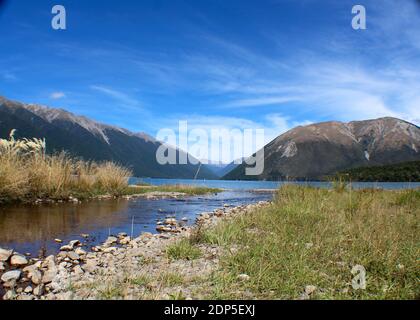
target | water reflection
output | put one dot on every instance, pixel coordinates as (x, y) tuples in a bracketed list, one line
[(31, 228), (44, 222)]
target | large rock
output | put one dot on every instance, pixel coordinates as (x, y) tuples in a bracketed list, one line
[(13, 275), (33, 274), (171, 221), (111, 240), (73, 255), (5, 254), (49, 276), (39, 290), (125, 240), (70, 246), (90, 266), (51, 272), (18, 260)]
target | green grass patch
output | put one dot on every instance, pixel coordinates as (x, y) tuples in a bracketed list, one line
[(183, 250), (142, 280), (170, 279), (186, 189), (314, 237)]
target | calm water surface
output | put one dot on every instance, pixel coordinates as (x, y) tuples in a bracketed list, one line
[(28, 229)]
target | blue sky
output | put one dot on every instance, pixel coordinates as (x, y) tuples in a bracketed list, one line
[(271, 64)]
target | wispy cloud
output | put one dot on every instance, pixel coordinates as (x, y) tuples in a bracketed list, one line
[(263, 101), (57, 95), (9, 76), (121, 97)]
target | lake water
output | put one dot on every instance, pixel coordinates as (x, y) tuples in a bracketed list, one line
[(250, 185), (32, 228)]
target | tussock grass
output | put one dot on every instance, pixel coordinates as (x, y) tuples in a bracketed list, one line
[(183, 250), (312, 236), (27, 173)]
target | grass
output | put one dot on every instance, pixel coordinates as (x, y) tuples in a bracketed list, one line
[(183, 250), (179, 188), (27, 173), (312, 236), (148, 286), (168, 279)]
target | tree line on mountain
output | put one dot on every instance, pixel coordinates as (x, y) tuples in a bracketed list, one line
[(401, 172)]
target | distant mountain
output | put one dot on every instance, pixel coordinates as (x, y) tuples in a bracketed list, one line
[(313, 151), (91, 140), (221, 169)]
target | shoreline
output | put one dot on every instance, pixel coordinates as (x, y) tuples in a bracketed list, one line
[(66, 274), (150, 195)]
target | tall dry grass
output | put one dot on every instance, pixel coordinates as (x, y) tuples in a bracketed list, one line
[(27, 172)]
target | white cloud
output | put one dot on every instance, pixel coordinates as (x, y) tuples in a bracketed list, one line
[(263, 101), (273, 125), (122, 97), (8, 76), (57, 95)]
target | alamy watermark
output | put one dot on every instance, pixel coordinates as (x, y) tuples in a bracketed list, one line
[(59, 22), (221, 145), (359, 20), (359, 281)]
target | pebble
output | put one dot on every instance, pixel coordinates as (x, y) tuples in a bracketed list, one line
[(310, 289), (9, 295), (243, 277), (125, 240), (11, 275), (66, 248), (309, 245), (74, 243), (80, 251), (110, 250), (78, 270), (39, 290), (28, 289)]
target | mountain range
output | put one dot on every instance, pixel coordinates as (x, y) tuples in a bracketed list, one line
[(311, 152), (304, 153), (90, 140)]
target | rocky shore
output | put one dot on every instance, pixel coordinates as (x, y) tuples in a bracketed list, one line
[(153, 195), (121, 268)]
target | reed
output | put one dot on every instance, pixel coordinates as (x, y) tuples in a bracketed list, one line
[(28, 173)]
